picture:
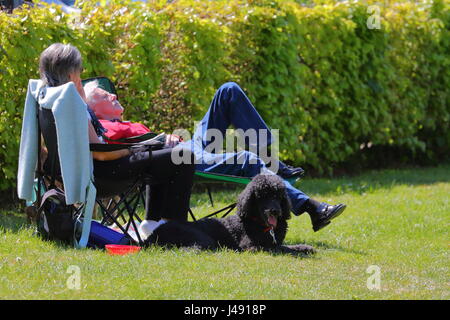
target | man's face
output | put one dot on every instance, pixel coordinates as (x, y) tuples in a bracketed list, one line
[(105, 105)]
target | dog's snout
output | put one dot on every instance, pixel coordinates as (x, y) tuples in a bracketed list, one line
[(273, 211)]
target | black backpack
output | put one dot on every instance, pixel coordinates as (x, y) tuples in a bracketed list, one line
[(56, 219)]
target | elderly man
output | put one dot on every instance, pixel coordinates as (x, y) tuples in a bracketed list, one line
[(230, 106)]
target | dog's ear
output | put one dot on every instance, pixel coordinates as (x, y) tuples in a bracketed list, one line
[(246, 202), (285, 206)]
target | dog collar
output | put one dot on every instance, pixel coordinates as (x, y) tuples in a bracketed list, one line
[(267, 229)]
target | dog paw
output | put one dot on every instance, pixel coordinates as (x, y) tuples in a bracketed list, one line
[(304, 249)]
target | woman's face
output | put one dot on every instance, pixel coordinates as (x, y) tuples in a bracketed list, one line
[(75, 77)]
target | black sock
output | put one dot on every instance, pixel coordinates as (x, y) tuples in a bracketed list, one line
[(311, 205)]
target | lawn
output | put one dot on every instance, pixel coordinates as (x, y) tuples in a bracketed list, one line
[(396, 220)]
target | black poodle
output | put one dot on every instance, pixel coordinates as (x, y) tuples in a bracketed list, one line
[(260, 223)]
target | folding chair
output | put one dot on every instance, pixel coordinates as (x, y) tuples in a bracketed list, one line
[(130, 192), (103, 82), (209, 179)]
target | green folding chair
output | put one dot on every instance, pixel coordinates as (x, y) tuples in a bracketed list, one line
[(215, 178), (103, 82)]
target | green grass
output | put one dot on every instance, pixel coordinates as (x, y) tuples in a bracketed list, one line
[(396, 219)]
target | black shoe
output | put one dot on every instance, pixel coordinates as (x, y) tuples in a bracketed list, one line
[(288, 172), (324, 214)]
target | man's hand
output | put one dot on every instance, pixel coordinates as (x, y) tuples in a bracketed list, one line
[(172, 140)]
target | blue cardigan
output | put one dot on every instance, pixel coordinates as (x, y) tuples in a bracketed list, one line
[(71, 120)]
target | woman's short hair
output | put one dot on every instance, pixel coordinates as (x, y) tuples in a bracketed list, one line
[(57, 62)]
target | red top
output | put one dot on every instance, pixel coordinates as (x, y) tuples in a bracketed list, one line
[(125, 129)]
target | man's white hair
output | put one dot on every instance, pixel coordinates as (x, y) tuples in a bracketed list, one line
[(89, 90)]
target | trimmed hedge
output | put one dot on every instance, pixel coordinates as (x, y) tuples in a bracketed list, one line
[(316, 72)]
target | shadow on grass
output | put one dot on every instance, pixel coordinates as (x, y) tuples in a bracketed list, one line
[(375, 180), (197, 250), (13, 220), (327, 246), (294, 255), (367, 182)]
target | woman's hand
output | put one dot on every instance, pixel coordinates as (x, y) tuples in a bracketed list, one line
[(76, 79)]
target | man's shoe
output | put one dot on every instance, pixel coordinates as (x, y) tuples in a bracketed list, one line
[(324, 214), (289, 172)]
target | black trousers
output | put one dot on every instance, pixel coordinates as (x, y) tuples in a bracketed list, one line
[(170, 184)]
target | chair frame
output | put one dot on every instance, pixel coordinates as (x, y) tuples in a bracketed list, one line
[(111, 212)]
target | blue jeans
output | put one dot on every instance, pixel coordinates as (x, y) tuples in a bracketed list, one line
[(230, 106)]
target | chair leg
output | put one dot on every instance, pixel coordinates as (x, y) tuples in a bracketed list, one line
[(132, 214), (192, 215), (147, 201), (210, 196), (119, 225), (229, 208), (115, 211), (110, 216), (111, 206)]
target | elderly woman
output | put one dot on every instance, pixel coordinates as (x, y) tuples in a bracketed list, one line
[(170, 196)]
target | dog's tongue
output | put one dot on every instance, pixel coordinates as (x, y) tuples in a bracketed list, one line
[(272, 221)]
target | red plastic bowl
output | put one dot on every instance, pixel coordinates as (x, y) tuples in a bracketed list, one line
[(117, 249)]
